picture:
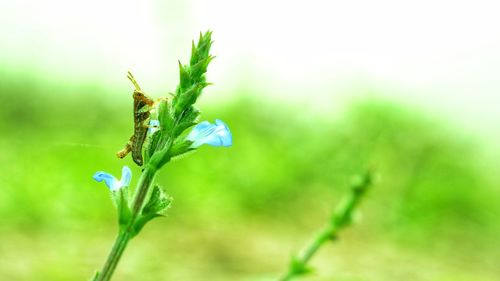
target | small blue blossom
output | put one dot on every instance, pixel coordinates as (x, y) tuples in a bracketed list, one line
[(217, 134), (154, 125), (112, 183)]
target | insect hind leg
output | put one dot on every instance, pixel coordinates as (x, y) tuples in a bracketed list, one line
[(126, 150)]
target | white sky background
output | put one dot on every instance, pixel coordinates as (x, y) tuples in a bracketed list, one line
[(443, 56)]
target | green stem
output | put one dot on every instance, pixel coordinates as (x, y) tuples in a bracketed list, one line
[(114, 256), (340, 218), (126, 233), (144, 184)]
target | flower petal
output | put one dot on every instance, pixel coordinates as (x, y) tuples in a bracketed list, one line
[(224, 133), (154, 122), (199, 130), (154, 125), (110, 181), (206, 133), (126, 176)]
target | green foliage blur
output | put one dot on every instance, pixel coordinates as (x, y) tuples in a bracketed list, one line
[(240, 213)]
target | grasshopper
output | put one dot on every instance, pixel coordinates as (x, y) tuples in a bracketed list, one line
[(142, 112)]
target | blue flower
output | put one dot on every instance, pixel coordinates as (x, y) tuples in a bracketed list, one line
[(154, 125), (112, 183), (206, 133)]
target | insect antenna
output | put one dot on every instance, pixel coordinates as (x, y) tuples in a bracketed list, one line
[(132, 79)]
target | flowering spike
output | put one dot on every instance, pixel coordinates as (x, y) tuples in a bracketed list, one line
[(111, 182), (217, 134), (167, 121)]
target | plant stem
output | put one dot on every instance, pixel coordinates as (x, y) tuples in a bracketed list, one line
[(114, 256), (126, 233), (340, 218), (141, 191)]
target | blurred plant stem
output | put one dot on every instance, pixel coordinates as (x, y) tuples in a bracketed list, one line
[(341, 218), (128, 231)]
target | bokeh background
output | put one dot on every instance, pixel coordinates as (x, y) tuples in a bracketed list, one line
[(314, 93)]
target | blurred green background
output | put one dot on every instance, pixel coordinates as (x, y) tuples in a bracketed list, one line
[(308, 108)]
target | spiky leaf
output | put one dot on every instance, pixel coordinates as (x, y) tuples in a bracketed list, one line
[(157, 205)]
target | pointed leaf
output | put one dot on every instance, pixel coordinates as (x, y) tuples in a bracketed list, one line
[(157, 205), (120, 198), (197, 70), (188, 119), (152, 144), (165, 117), (158, 202), (180, 148), (184, 76)]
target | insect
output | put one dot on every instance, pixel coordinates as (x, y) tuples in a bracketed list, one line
[(142, 108)]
